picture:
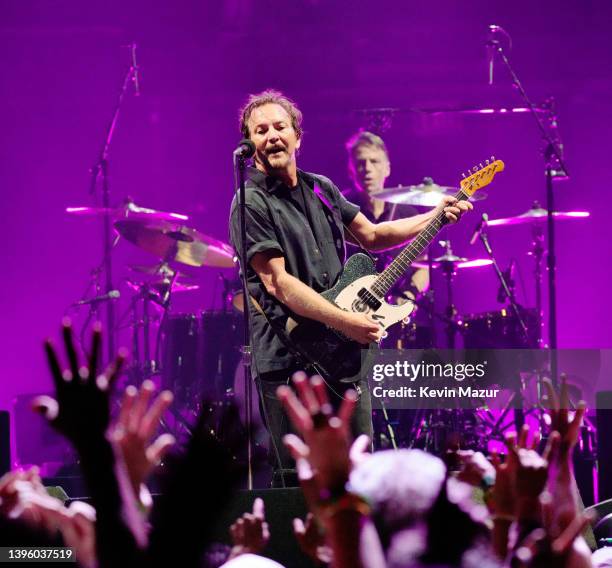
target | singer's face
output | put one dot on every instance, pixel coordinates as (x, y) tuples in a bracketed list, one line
[(275, 139), (369, 168)]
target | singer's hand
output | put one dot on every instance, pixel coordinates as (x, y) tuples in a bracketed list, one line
[(452, 208)]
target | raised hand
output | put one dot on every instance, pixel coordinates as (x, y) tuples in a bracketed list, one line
[(558, 410), (250, 533), (475, 468), (531, 474), (135, 427), (312, 416), (81, 408), (503, 496), (311, 539)]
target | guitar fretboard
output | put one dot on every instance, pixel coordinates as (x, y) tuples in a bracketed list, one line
[(390, 275)]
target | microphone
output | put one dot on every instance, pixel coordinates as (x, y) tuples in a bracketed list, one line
[(135, 71), (112, 295), (481, 224), (246, 148)]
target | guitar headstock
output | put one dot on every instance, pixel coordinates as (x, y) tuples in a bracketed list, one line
[(481, 176)]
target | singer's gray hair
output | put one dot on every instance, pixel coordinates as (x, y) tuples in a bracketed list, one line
[(270, 96), (365, 138)]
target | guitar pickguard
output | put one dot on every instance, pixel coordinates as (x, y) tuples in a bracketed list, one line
[(385, 316)]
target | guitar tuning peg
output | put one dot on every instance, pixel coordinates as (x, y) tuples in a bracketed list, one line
[(463, 175), (481, 166), (492, 158), (475, 168), (487, 162)]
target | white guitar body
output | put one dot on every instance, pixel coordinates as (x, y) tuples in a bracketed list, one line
[(385, 316)]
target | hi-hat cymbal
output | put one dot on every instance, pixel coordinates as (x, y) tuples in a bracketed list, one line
[(426, 194), (171, 241), (536, 215), (161, 277), (128, 209)]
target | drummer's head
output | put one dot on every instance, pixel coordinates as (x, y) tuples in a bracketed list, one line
[(369, 164)]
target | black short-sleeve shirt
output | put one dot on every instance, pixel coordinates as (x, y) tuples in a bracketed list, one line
[(305, 225)]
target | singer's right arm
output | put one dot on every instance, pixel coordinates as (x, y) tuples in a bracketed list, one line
[(304, 301)]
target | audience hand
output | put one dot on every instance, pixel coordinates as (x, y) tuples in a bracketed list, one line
[(569, 430), (311, 539), (81, 408), (250, 533), (136, 426), (312, 416)]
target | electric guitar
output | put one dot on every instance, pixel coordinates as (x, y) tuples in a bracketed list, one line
[(360, 288)]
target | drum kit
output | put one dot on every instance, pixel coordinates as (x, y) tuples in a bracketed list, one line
[(187, 347), (503, 324), (511, 327)]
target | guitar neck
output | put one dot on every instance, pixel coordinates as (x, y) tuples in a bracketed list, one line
[(390, 275)]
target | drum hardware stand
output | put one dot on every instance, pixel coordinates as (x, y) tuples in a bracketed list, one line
[(509, 292), (537, 252), (143, 367), (519, 414), (100, 170), (225, 293), (554, 169), (448, 268), (149, 366)]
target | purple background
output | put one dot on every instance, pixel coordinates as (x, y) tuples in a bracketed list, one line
[(63, 64)]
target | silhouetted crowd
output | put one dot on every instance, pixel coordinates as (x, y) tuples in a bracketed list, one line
[(402, 508)]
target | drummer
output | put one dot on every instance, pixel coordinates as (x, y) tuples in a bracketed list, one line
[(369, 167)]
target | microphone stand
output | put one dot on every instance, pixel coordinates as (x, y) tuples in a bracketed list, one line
[(482, 234), (246, 349), (554, 168), (100, 170)]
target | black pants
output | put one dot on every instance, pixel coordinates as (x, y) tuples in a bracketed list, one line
[(278, 424)]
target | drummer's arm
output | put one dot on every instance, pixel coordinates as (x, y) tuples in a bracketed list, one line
[(420, 280), (389, 234)]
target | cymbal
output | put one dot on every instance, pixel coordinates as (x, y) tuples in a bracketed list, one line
[(172, 241), (456, 261), (535, 215), (128, 209), (426, 194)]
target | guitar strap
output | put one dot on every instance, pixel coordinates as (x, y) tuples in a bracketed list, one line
[(323, 200), (302, 358)]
